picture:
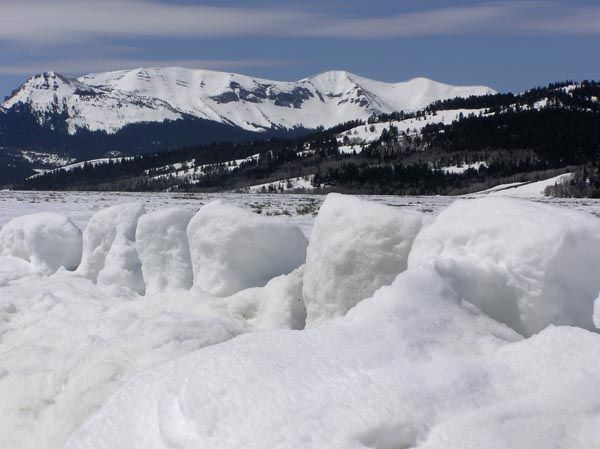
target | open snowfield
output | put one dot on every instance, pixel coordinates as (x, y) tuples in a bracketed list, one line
[(162, 321), (301, 208)]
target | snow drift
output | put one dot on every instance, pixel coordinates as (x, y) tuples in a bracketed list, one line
[(525, 264), (233, 248), (68, 344), (411, 367), (437, 356), (47, 240), (356, 246)]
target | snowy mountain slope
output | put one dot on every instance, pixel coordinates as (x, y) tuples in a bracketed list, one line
[(109, 101), (50, 95), (354, 138)]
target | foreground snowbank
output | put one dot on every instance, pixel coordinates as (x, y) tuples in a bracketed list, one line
[(411, 367), (416, 365), (67, 344)]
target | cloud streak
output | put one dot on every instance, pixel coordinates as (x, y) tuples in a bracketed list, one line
[(66, 20), (62, 21), (82, 36)]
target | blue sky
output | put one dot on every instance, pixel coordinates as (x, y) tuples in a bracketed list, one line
[(508, 45)]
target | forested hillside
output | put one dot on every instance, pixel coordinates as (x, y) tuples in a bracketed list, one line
[(452, 146)]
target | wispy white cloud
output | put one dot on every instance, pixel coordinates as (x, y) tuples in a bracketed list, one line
[(564, 20), (484, 18), (63, 35), (65, 21)]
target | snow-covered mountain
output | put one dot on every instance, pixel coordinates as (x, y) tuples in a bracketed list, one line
[(109, 101), (50, 95)]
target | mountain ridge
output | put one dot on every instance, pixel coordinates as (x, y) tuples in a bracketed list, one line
[(109, 101)]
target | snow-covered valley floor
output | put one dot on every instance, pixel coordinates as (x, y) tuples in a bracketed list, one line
[(298, 321), (301, 208)]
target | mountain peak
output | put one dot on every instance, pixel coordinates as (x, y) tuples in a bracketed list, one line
[(40, 85), (338, 74), (50, 79)]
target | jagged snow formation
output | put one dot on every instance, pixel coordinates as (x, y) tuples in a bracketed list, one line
[(109, 255), (162, 245), (87, 364), (527, 265), (108, 101), (233, 249), (356, 247), (47, 240)]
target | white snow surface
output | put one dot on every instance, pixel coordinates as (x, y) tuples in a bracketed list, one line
[(277, 305), (109, 255), (429, 361), (233, 249), (526, 265), (67, 344), (91, 162), (162, 245), (410, 367), (356, 247), (459, 169), (527, 189), (365, 134), (298, 183), (87, 107), (108, 101), (48, 240)]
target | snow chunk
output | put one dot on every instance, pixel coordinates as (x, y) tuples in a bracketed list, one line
[(162, 245), (109, 255), (356, 246), (47, 240), (525, 264), (233, 249)]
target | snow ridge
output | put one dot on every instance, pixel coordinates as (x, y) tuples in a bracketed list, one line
[(109, 101)]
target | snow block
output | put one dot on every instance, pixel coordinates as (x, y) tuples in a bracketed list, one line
[(109, 255), (233, 248), (162, 245), (356, 246), (525, 264), (47, 240)]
